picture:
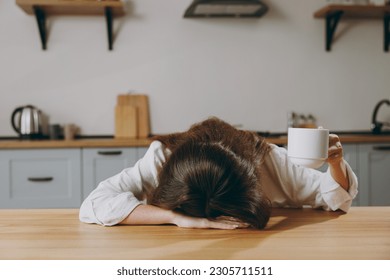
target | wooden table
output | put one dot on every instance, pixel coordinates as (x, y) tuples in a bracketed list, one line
[(363, 233)]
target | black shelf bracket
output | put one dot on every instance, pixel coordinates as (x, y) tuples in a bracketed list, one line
[(331, 20), (108, 13), (40, 16), (41, 21), (386, 29)]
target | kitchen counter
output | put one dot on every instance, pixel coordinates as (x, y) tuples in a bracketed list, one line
[(78, 143), (144, 142), (363, 233), (345, 139)]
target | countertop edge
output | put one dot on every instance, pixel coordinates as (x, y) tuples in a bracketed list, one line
[(345, 139), (145, 142), (79, 143)]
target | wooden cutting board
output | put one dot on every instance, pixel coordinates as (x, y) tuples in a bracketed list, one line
[(126, 124), (141, 103)]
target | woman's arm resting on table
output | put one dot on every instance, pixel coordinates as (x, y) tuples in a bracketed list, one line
[(337, 166), (152, 215)]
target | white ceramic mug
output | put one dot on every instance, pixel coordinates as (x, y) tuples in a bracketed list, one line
[(308, 146)]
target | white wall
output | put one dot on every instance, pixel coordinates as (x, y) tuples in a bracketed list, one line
[(249, 72)]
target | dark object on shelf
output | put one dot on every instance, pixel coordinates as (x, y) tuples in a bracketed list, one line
[(226, 8)]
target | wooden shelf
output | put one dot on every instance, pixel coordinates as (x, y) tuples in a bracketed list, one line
[(42, 8), (333, 13), (354, 11)]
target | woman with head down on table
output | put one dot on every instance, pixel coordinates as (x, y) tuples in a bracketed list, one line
[(217, 176)]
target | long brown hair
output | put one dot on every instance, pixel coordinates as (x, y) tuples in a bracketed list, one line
[(214, 170)]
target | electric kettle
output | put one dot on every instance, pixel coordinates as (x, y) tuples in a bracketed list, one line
[(29, 122)]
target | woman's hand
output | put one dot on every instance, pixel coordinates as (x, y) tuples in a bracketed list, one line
[(221, 222), (335, 152), (337, 166)]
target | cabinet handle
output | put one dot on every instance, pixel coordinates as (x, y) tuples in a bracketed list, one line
[(382, 148), (109, 153), (40, 179)]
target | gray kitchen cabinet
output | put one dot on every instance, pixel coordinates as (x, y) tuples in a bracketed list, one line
[(58, 178), (351, 155), (374, 179), (62, 178), (102, 163), (40, 178)]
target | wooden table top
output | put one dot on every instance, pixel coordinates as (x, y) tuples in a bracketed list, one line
[(363, 233)]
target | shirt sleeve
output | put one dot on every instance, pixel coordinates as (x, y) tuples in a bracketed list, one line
[(290, 185), (115, 198)]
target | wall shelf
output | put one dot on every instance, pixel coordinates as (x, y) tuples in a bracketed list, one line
[(42, 8), (333, 13)]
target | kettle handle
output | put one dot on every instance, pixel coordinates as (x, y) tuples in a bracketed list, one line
[(17, 110)]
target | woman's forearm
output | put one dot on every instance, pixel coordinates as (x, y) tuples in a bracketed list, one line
[(339, 173), (152, 215), (149, 215)]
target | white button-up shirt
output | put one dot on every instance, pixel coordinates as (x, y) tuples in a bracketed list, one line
[(284, 183)]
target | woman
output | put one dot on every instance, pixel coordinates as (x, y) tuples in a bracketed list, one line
[(216, 176)]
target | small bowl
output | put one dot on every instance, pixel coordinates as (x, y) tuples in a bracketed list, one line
[(314, 163)]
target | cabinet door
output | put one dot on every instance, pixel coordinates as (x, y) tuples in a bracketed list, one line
[(141, 152), (350, 154), (374, 166), (100, 164), (40, 178)]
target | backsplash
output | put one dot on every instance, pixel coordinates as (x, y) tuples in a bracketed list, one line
[(250, 72)]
